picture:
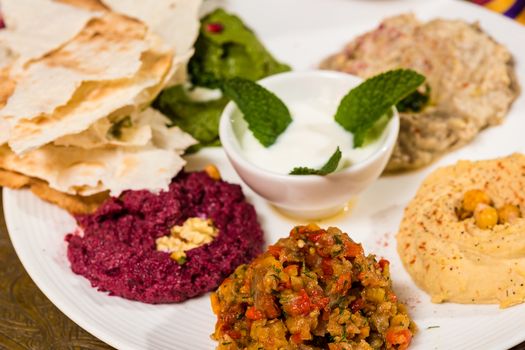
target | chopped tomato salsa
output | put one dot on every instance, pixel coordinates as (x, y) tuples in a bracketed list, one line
[(313, 290)]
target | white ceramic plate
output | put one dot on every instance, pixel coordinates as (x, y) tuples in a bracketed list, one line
[(300, 32)]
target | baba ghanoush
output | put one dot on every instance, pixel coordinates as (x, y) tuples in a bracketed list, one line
[(471, 82)]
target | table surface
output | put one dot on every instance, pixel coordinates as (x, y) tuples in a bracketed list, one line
[(28, 320)]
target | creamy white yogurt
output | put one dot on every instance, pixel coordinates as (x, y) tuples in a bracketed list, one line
[(309, 141)]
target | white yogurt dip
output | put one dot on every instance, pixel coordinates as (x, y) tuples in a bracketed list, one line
[(309, 141)]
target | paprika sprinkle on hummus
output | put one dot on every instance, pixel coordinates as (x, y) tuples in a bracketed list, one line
[(462, 238)]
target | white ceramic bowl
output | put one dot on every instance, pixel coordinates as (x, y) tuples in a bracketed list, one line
[(308, 196)]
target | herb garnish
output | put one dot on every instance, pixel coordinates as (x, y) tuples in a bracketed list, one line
[(267, 116), (329, 167), (364, 105), (116, 129), (416, 101)]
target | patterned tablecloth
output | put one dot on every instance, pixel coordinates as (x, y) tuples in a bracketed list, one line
[(511, 8), (28, 320)]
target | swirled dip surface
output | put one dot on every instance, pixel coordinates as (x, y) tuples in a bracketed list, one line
[(455, 260), (117, 252)]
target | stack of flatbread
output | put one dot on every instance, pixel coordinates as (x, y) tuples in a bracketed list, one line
[(76, 81)]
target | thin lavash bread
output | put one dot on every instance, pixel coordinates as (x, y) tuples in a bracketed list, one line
[(69, 144)]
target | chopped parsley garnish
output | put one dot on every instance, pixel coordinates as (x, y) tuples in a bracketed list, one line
[(329, 167), (364, 105), (267, 116)]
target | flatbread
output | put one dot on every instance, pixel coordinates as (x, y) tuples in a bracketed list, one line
[(30, 36), (92, 102), (148, 126), (71, 203), (91, 5), (76, 170), (102, 133), (175, 21), (86, 172), (108, 48)]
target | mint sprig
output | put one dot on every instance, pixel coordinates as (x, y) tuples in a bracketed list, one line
[(329, 167), (364, 105), (267, 116)]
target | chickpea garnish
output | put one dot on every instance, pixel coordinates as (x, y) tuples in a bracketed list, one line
[(473, 198), (486, 217), (508, 214)]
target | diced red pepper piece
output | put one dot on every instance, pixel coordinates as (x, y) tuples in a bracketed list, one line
[(392, 297), (253, 314), (383, 263), (301, 304), (234, 334), (357, 305), (214, 27), (353, 249), (275, 251), (326, 266), (399, 337), (296, 338), (344, 282), (314, 237), (318, 299)]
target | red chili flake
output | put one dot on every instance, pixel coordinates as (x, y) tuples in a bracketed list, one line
[(214, 27), (2, 23)]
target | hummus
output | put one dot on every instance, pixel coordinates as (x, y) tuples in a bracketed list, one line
[(470, 76), (455, 260)]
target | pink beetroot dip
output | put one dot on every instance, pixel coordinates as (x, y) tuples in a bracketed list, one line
[(117, 254)]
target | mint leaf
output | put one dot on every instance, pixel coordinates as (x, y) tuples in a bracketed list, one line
[(328, 168), (267, 116), (367, 103), (415, 102)]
